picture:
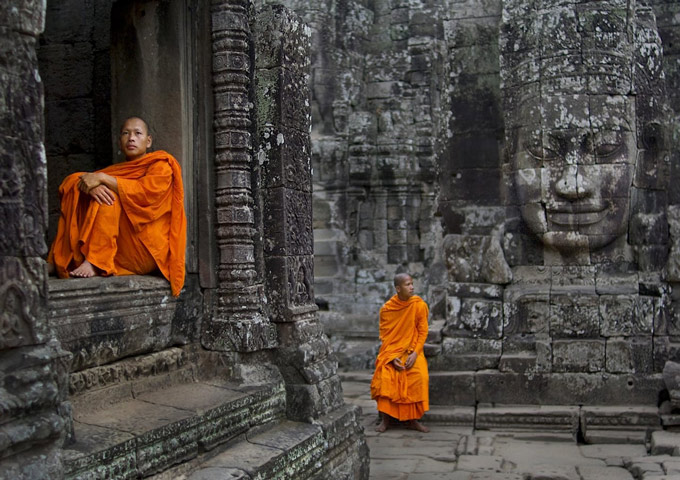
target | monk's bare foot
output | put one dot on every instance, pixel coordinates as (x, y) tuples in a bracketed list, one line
[(416, 425), (84, 270), (383, 425), (50, 269)]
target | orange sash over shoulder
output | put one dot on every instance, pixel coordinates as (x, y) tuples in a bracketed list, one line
[(403, 329), (152, 198)]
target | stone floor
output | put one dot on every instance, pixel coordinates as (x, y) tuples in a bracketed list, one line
[(460, 453)]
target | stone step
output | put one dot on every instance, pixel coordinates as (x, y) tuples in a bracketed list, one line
[(160, 428), (447, 415), (286, 450)]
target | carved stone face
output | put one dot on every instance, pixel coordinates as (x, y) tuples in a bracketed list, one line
[(573, 169)]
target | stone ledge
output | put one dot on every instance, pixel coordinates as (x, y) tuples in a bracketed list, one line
[(100, 320), (160, 428)]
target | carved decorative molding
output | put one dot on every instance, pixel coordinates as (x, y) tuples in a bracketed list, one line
[(238, 321)]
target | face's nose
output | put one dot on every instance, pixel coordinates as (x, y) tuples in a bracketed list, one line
[(572, 184)]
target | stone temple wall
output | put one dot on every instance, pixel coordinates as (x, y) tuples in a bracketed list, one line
[(519, 159), (379, 83)]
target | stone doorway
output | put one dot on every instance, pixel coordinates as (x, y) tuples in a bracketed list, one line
[(101, 63)]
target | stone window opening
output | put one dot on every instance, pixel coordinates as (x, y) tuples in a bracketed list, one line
[(101, 63)]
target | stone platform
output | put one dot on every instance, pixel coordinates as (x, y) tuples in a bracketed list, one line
[(457, 449)]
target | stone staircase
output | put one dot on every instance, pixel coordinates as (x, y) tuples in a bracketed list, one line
[(173, 422)]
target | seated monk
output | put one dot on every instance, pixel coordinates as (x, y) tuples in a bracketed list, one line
[(401, 381), (127, 219)]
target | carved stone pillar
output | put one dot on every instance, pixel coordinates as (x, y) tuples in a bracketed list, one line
[(33, 367), (238, 322), (284, 154)]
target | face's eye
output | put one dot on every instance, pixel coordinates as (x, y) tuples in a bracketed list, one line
[(606, 143), (541, 152), (605, 150)]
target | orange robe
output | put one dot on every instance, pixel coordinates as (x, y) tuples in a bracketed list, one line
[(402, 394), (144, 229)]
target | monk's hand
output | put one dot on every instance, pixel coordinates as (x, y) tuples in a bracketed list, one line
[(102, 195), (410, 360), (398, 365), (89, 181)]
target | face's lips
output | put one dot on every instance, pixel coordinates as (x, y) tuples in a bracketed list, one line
[(577, 216)]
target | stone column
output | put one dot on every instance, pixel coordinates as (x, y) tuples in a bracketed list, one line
[(284, 154), (33, 368), (238, 322)]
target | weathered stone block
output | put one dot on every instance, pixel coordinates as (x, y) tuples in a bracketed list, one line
[(624, 315), (578, 355), (288, 214), (475, 290), (245, 335), (282, 39), (467, 354), (452, 388), (310, 401), (475, 259), (632, 355), (285, 156), (574, 316), (397, 254), (566, 388), (517, 362), (648, 228), (525, 313), (28, 17), (481, 318), (615, 283)]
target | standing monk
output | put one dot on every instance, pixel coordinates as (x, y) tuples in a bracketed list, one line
[(400, 381), (127, 219)]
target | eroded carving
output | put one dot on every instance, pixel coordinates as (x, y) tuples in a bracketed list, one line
[(582, 118), (128, 370), (15, 321)]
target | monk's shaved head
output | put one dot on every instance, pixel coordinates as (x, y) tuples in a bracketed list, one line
[(400, 278), (146, 125)]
